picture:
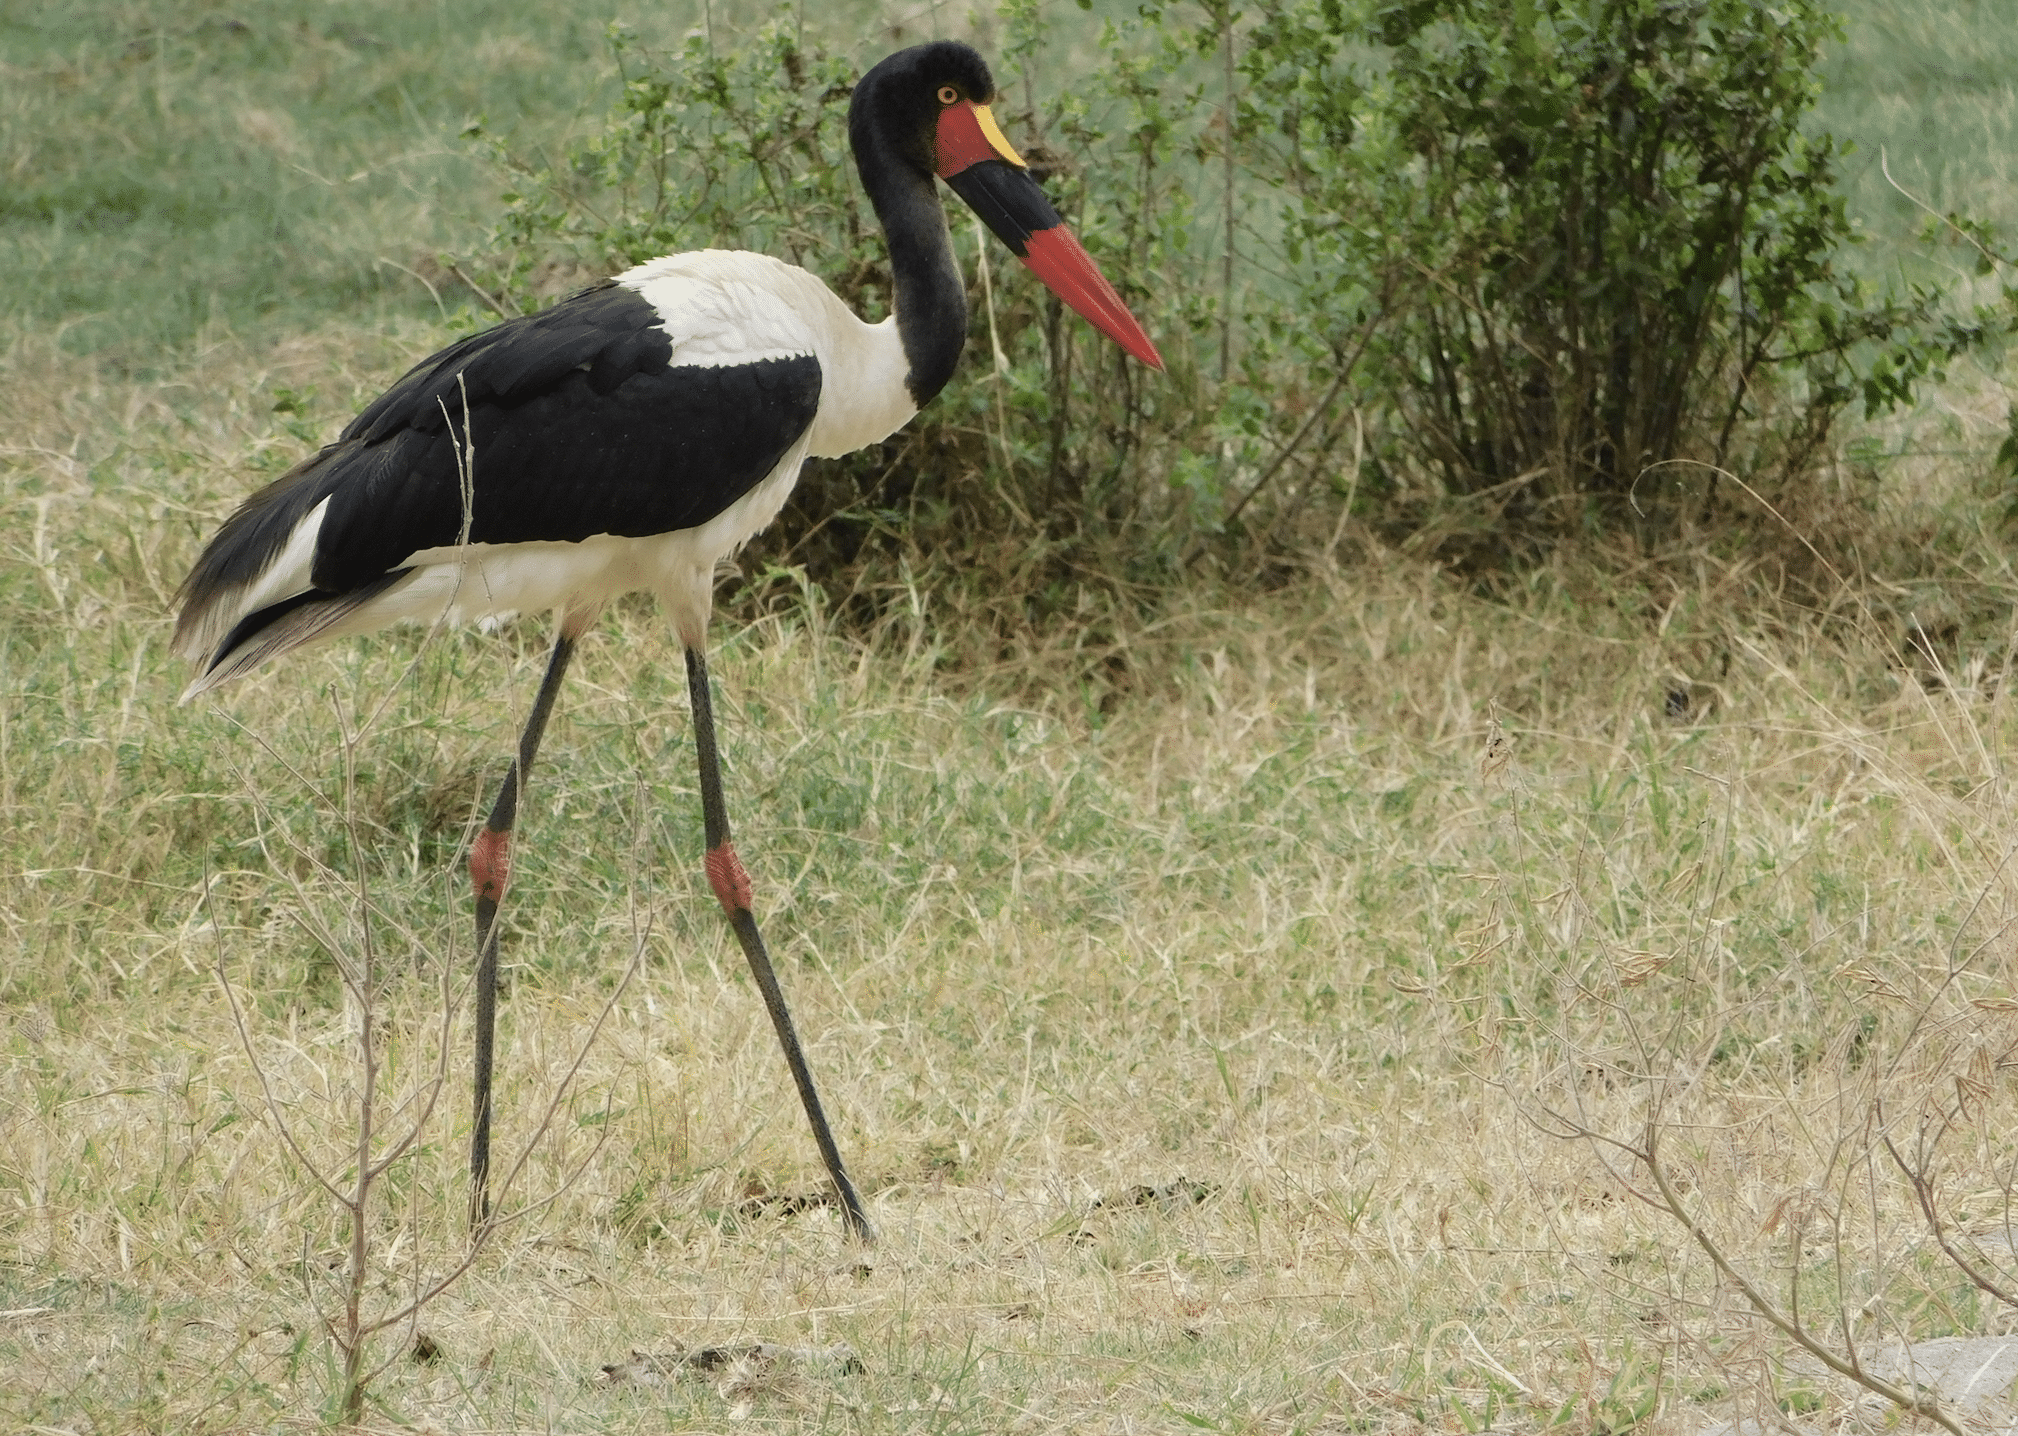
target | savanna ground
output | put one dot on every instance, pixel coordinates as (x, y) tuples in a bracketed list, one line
[(1200, 986)]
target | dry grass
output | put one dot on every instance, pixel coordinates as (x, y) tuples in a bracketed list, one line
[(1182, 982)]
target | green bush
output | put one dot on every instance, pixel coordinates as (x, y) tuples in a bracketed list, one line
[(1589, 236), (1532, 250)]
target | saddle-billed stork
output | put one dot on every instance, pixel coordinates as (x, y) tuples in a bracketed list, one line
[(631, 437)]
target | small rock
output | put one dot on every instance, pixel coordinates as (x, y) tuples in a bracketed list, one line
[(1968, 1371)]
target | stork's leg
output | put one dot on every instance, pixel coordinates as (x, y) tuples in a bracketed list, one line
[(490, 867), (732, 886)]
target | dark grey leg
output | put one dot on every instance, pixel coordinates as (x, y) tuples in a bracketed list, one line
[(732, 886), (490, 868)]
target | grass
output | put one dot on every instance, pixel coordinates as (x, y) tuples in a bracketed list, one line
[(1222, 898), (1191, 981), (1929, 88), (195, 171), (206, 172)]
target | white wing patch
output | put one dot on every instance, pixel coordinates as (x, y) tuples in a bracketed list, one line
[(284, 577), (724, 307)]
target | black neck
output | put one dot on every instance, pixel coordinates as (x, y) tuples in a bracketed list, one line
[(931, 300)]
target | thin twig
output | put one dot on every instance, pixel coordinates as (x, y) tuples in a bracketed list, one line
[(561, 1089), (434, 293), (1352, 488), (1990, 256), (497, 305), (1303, 432), (280, 1123), (1923, 1190), (1905, 1398)]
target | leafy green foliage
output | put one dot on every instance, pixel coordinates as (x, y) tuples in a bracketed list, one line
[(1563, 262), (1593, 235), (746, 146)]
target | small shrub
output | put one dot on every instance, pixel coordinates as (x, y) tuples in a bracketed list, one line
[(1594, 237)]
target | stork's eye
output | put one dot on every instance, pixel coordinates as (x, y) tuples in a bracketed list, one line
[(947, 94)]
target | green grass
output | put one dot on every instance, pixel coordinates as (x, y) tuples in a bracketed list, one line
[(1930, 88), (197, 171), (1231, 887), (209, 172)]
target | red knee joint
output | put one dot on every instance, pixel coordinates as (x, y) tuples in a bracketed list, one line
[(490, 864), (727, 878)]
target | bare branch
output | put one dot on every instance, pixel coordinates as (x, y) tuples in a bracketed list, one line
[(1920, 1177), (1906, 1398)]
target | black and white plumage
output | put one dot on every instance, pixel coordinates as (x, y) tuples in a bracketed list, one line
[(631, 437)]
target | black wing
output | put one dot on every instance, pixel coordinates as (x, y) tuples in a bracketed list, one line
[(578, 424)]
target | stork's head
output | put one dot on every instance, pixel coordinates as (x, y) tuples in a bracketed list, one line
[(929, 104)]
